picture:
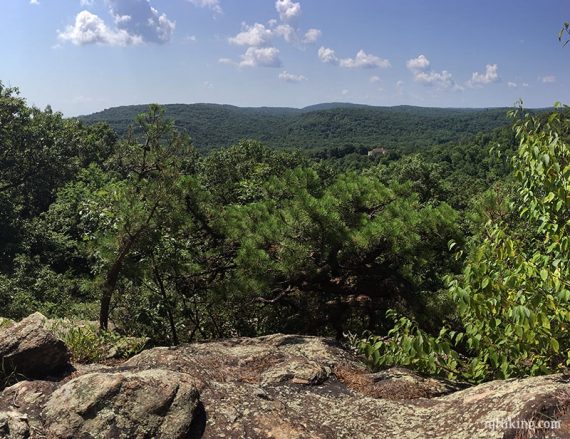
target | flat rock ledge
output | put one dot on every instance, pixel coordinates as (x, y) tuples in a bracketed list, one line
[(278, 386)]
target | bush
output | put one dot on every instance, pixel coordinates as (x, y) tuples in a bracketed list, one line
[(89, 345), (513, 297)]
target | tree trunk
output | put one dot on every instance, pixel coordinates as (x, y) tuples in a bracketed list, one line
[(169, 314), (110, 283), (113, 273)]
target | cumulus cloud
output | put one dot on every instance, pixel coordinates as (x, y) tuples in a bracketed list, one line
[(421, 69), (442, 79), (135, 22), (34, 2), (91, 29), (138, 17), (256, 35), (374, 79), (327, 55), (86, 3), (288, 10), (260, 39), (257, 57), (311, 36), (288, 33), (490, 76), (260, 51), (421, 63), (290, 77), (214, 5), (548, 79), (362, 60), (259, 35), (511, 84)]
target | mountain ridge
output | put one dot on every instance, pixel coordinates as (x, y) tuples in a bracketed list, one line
[(316, 127)]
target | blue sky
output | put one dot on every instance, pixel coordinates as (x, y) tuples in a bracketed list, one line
[(82, 56)]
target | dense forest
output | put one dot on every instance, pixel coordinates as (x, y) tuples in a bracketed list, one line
[(318, 127), (449, 254)]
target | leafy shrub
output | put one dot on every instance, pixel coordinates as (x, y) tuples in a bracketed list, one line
[(89, 345), (513, 297)]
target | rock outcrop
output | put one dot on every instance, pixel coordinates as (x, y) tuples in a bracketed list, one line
[(130, 404), (31, 350), (279, 386)]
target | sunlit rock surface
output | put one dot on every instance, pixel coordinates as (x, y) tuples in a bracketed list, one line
[(278, 386)]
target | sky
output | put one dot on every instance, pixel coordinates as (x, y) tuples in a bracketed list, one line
[(82, 56)]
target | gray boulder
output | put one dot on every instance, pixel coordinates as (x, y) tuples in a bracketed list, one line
[(31, 350), (131, 404)]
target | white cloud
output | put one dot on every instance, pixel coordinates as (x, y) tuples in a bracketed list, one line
[(259, 35), (511, 84), (421, 69), (256, 35), (86, 3), (290, 77), (288, 10), (257, 57), (442, 79), (374, 79), (214, 5), (311, 36), (362, 60), (327, 55), (139, 18), (34, 2), (288, 33), (480, 79), (548, 79), (260, 39), (90, 29), (400, 83), (122, 19), (208, 84), (345, 92), (421, 63), (525, 84)]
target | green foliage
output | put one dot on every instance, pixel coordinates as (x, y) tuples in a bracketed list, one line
[(40, 153), (407, 345), (145, 197), (235, 174), (513, 297), (354, 237), (317, 128), (247, 240), (88, 345)]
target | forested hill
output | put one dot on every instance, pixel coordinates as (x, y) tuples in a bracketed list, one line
[(403, 128)]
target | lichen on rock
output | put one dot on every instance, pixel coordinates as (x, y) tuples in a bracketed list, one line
[(273, 387)]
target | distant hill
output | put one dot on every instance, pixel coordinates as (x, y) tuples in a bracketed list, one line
[(404, 128)]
